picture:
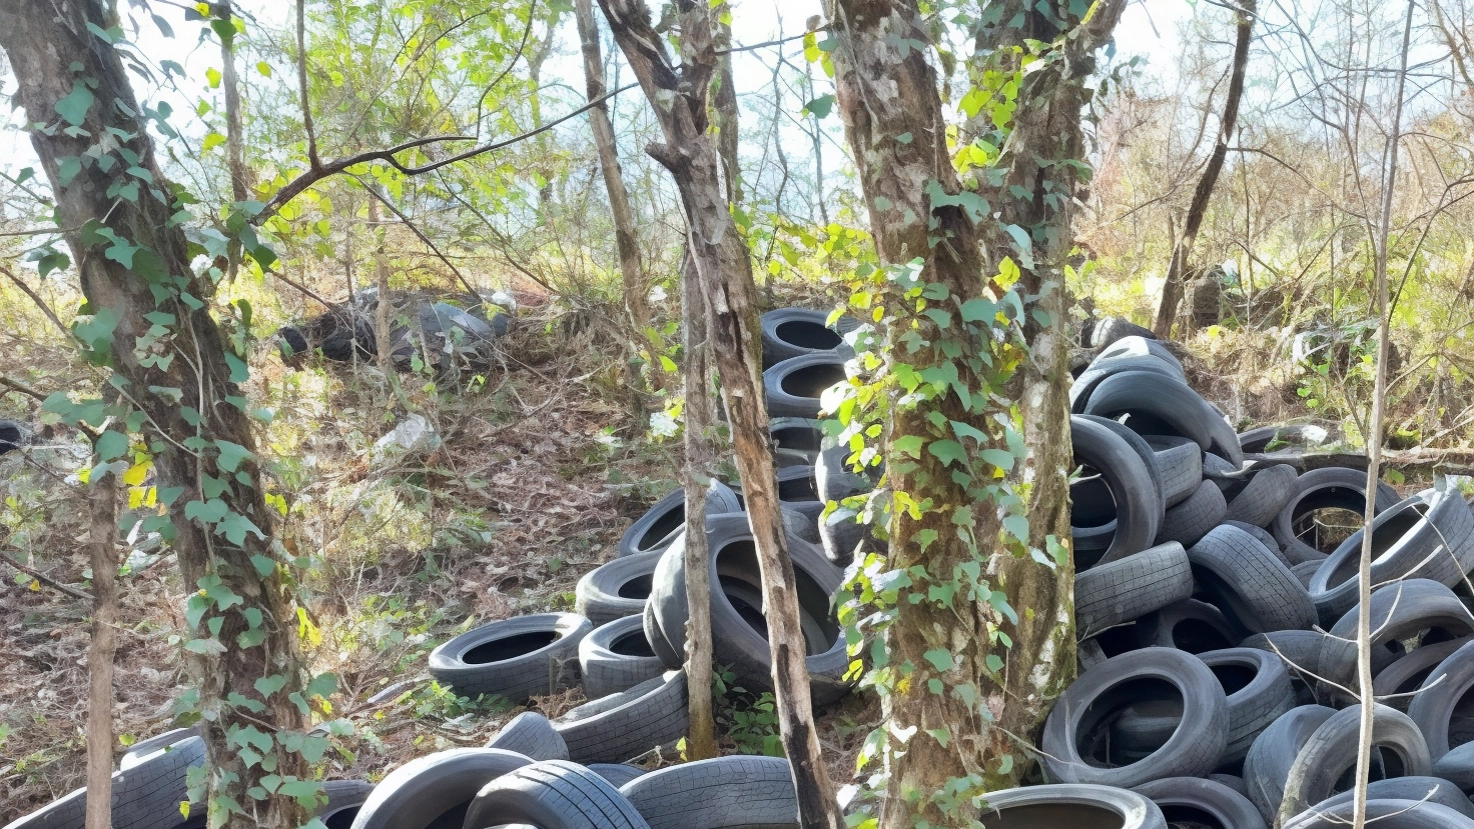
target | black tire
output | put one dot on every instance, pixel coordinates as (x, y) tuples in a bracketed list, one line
[(513, 658), (1258, 689), (1399, 611), (1298, 650), (1085, 709), (1331, 751), (1305, 571), (625, 725), (553, 795), (1229, 478), (1457, 767), (1138, 346), (1123, 508), (615, 589), (1192, 519), (1427, 789), (658, 527), (1397, 684), (617, 774), (145, 795), (1267, 767), (1110, 594), (1318, 489), (13, 435), (1263, 537), (1184, 799), (616, 657), (434, 790), (1188, 625), (794, 386), (1383, 814), (531, 735), (1248, 583), (1427, 536), (143, 749), (1266, 494), (1084, 385), (1156, 404), (799, 439), (1070, 804), (1233, 782), (737, 792), (1256, 441), (797, 487), (739, 635), (794, 332), (345, 799), (1180, 463), (1112, 329), (1138, 445), (1439, 699)]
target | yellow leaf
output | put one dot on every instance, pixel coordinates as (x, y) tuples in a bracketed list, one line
[(35, 586), (213, 76), (137, 472), (135, 497), (306, 629)]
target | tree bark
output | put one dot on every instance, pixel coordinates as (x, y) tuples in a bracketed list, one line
[(724, 270), (244, 621), (102, 538), (383, 346), (724, 107), (701, 743), (626, 234), (1182, 252), (978, 728), (240, 186)]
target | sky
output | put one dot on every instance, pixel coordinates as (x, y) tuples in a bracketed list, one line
[(1149, 28)]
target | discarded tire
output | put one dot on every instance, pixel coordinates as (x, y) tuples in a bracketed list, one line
[(721, 793), (616, 589), (1194, 748), (795, 332), (616, 657), (1083, 806), (515, 658), (531, 735), (658, 527), (552, 795), (1252, 587), (625, 725), (1330, 751), (1317, 490), (1192, 519), (793, 387), (434, 790), (1184, 799), (1111, 594), (1117, 510)]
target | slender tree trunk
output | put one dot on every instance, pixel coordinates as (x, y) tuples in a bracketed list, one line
[(535, 63), (626, 233), (244, 627), (724, 270), (1182, 252), (993, 698), (102, 544), (1374, 447), (382, 344), (702, 742), (240, 185)]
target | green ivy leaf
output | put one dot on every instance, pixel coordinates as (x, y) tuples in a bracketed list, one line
[(820, 106), (231, 454), (948, 452), (941, 659), (73, 108)]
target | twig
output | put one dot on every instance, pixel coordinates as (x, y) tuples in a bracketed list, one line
[(36, 298), (314, 163), (384, 200), (45, 579), (18, 386), (317, 173)]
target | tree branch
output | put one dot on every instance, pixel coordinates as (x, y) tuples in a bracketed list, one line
[(373, 191), (45, 579), (317, 173), (313, 161)]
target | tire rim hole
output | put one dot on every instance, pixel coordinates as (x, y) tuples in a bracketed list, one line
[(805, 334), (509, 647), (811, 381), (1053, 816)]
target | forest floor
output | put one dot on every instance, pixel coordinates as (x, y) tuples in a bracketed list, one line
[(540, 472)]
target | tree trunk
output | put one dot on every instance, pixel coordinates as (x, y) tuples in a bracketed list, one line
[(626, 235), (240, 186), (1182, 252), (724, 268), (102, 544), (963, 738), (382, 343), (724, 107), (702, 742), (133, 261)]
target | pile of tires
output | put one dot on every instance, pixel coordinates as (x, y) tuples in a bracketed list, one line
[(1216, 610)]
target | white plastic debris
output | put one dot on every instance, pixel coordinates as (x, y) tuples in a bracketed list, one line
[(415, 435)]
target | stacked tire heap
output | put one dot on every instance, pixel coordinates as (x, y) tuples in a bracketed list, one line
[(1217, 627)]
